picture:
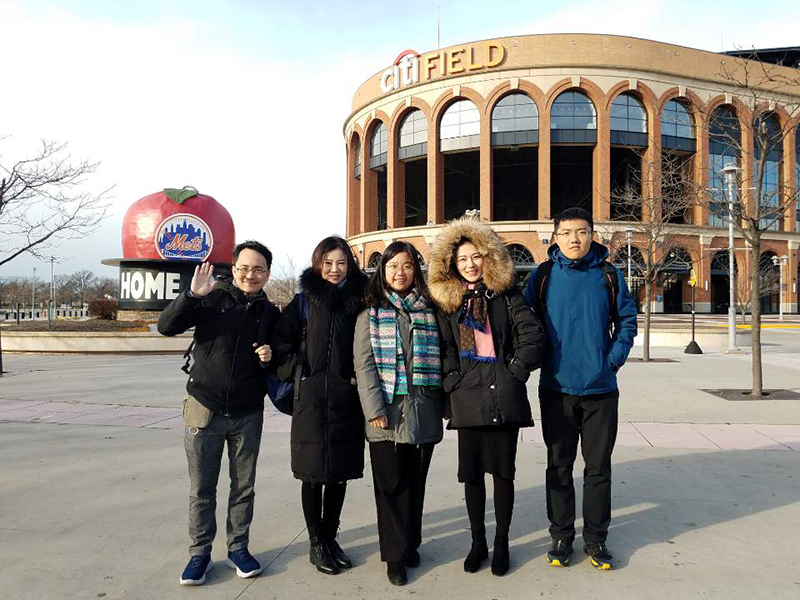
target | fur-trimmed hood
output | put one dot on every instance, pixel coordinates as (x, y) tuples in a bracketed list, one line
[(446, 286), (322, 293)]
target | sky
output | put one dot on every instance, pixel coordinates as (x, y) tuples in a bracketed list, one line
[(246, 99)]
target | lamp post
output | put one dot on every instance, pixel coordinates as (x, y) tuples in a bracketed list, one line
[(628, 236), (779, 262), (33, 292), (729, 171)]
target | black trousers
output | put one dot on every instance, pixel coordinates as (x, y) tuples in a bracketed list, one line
[(399, 472), (565, 420)]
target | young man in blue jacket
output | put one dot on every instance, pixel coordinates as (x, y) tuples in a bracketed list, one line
[(590, 321)]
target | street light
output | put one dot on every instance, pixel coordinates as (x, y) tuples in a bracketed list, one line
[(779, 262), (628, 236), (33, 292), (729, 171)]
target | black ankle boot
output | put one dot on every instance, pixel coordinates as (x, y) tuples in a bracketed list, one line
[(500, 558), (478, 553), (319, 555), (337, 554), (396, 572)]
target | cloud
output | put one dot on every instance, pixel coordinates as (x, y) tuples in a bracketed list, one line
[(159, 109)]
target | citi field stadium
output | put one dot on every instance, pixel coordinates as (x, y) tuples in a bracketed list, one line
[(515, 130)]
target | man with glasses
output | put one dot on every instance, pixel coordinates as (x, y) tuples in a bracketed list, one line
[(225, 401), (590, 320)]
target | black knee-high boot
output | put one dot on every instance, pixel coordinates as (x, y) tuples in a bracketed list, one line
[(503, 509), (475, 495)]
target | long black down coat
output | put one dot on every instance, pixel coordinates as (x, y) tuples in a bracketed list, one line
[(226, 376), (327, 440)]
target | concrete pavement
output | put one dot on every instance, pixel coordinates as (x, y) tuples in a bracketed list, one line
[(93, 492)]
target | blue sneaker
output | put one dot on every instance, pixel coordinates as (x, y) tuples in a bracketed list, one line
[(195, 571), (244, 563)]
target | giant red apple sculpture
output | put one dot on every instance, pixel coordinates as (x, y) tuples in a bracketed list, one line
[(178, 224)]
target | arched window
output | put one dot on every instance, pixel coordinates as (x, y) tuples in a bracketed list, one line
[(515, 121), (720, 263), (373, 262), (724, 139), (413, 135), (515, 158), (628, 121), (678, 260), (768, 142), (620, 260), (357, 150), (460, 126), (523, 262), (677, 128), (378, 147), (573, 119), (459, 135), (573, 134)]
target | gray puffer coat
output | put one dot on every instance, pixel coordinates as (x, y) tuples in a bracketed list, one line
[(415, 418)]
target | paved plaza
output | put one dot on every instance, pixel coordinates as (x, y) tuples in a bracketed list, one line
[(93, 492)]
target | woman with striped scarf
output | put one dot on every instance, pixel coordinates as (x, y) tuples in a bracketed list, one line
[(398, 369)]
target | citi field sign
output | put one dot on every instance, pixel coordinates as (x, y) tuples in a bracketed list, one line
[(411, 68)]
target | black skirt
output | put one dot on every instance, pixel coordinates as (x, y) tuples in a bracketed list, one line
[(490, 450)]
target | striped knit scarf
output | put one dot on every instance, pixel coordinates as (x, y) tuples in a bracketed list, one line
[(387, 345)]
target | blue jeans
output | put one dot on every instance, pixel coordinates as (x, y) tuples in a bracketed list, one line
[(204, 456)]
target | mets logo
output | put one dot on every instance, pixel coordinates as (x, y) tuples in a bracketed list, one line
[(184, 237)]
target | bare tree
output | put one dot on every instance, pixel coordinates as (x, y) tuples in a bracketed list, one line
[(282, 286), (43, 200), (769, 284), (753, 140), (105, 286), (651, 212), (83, 280)]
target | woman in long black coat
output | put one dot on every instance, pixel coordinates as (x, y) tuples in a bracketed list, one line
[(327, 436), (491, 340)]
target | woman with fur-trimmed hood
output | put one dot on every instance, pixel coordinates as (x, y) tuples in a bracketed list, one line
[(327, 437), (491, 341)]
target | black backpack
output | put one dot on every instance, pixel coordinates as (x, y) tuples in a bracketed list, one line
[(541, 280)]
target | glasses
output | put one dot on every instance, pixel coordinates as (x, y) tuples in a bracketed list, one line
[(581, 233), (257, 271), (394, 268)]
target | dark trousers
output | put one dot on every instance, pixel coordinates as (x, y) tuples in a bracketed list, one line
[(565, 419), (204, 449), (399, 472)]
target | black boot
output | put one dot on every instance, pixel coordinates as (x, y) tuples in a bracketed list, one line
[(478, 553), (396, 572), (319, 555), (339, 557), (500, 558)]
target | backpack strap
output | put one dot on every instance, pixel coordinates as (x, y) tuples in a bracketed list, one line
[(187, 366), (540, 282), (612, 288)]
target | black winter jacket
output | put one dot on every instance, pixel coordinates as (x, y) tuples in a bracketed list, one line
[(493, 393), (226, 376), (327, 439)]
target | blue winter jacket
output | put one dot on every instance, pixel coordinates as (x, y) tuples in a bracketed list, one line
[(582, 355)]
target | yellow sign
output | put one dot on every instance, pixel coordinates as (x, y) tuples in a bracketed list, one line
[(693, 278)]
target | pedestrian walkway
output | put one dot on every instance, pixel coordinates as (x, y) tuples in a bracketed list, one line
[(708, 436)]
